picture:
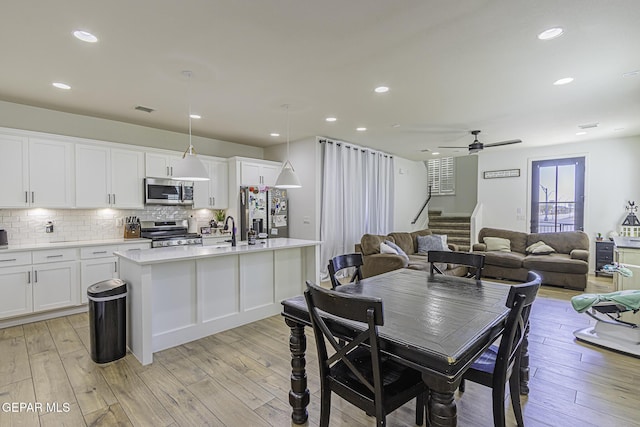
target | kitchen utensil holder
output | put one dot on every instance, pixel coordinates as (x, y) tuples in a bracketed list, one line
[(132, 231)]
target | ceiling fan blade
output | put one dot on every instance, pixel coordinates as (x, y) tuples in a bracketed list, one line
[(449, 146), (496, 144)]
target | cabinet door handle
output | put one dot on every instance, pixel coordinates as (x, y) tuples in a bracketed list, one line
[(35, 276), (28, 277), (33, 197), (99, 252), (7, 260), (55, 256), (168, 174), (109, 199), (114, 198), (115, 268), (213, 201), (26, 197), (171, 170)]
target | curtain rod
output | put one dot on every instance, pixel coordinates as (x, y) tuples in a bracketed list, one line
[(339, 144)]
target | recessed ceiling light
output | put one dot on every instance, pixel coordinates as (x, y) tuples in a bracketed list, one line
[(361, 129), (618, 129), (330, 119), (551, 33), (580, 133), (274, 134), (435, 153), (195, 116), (61, 86), (381, 89), (632, 73), (395, 125), (563, 81), (85, 36)]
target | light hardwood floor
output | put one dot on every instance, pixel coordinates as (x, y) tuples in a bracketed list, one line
[(241, 378)]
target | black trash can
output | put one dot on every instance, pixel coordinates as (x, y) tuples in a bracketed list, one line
[(108, 320)]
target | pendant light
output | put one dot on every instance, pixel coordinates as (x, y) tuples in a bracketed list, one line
[(288, 177), (189, 168)]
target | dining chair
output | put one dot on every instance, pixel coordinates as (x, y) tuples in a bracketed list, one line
[(341, 262), (356, 369), (475, 261), (499, 364)]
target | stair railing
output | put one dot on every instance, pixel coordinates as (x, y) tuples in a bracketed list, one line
[(426, 202)]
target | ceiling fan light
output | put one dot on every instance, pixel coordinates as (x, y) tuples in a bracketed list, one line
[(288, 177)]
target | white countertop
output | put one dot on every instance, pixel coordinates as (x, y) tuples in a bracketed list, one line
[(177, 253), (69, 244)]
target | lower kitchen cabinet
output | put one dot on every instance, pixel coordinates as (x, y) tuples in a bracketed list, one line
[(55, 285), (17, 291), (94, 271)]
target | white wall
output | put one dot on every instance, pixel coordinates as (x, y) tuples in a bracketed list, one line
[(410, 184), (612, 179), (464, 201), (24, 117)]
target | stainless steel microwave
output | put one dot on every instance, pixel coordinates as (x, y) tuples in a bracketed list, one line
[(158, 191)]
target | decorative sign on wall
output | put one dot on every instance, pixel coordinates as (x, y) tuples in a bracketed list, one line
[(506, 173)]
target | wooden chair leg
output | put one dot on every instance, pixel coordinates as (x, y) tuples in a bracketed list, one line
[(325, 406), (420, 407), (461, 386), (498, 407), (514, 389)]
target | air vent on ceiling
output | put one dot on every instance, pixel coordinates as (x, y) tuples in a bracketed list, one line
[(589, 125), (145, 109)]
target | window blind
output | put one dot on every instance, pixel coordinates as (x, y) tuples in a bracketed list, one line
[(441, 176)]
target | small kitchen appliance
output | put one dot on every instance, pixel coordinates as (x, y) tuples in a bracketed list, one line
[(4, 240), (169, 233), (161, 191)]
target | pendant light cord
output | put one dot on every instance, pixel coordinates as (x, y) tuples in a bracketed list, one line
[(190, 149), (288, 121)]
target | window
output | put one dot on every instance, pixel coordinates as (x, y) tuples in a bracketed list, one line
[(557, 195), (441, 176)]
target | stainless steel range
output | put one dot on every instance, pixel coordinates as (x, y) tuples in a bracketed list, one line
[(169, 233)]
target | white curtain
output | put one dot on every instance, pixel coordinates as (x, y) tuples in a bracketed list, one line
[(357, 197)]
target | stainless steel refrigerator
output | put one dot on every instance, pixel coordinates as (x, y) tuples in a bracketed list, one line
[(264, 210)]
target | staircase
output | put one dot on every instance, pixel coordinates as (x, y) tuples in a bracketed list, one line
[(456, 227)]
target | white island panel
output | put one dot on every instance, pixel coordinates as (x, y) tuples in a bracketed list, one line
[(219, 287), (289, 266), (174, 297), (256, 280)]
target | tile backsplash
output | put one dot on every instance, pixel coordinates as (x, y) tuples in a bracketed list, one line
[(27, 226)]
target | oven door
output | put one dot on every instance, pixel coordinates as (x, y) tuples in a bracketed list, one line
[(166, 192)]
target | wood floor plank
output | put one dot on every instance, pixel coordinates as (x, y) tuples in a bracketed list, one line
[(185, 408), (64, 336), (63, 417), (111, 416), (12, 332), (80, 320), (19, 391), (89, 387), (50, 379), (228, 408), (14, 360), (137, 401), (38, 337), (183, 368), (83, 334)]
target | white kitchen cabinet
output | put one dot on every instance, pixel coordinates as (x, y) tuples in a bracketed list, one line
[(16, 290), (212, 194), (36, 172), (51, 174), (14, 171), (109, 177), (159, 165), (259, 173), (55, 285)]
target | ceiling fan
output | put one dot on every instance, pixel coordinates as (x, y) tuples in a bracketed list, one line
[(477, 146)]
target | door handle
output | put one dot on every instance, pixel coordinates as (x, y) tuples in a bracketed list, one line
[(35, 276), (171, 170), (26, 197), (28, 277), (114, 198), (115, 266), (33, 197), (54, 256), (7, 260), (168, 174), (213, 201), (109, 197)]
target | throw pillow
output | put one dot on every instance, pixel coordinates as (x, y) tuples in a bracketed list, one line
[(497, 244), (543, 249), (397, 248), (531, 247), (432, 242), (386, 249)]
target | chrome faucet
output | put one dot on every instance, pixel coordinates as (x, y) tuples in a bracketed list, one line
[(233, 229)]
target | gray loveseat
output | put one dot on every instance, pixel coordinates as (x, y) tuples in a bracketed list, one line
[(568, 266)]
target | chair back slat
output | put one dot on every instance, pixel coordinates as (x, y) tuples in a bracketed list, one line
[(468, 259), (341, 262)]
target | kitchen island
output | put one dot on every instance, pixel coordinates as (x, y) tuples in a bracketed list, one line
[(183, 293)]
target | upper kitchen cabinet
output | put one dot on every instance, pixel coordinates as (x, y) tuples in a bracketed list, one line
[(212, 194), (109, 177), (159, 165), (261, 172), (36, 172)]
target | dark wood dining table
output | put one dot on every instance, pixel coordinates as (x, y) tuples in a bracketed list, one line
[(436, 324)]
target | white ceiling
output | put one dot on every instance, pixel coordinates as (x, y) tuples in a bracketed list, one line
[(452, 66)]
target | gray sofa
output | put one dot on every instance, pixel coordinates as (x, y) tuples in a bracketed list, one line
[(568, 266), (376, 263)]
